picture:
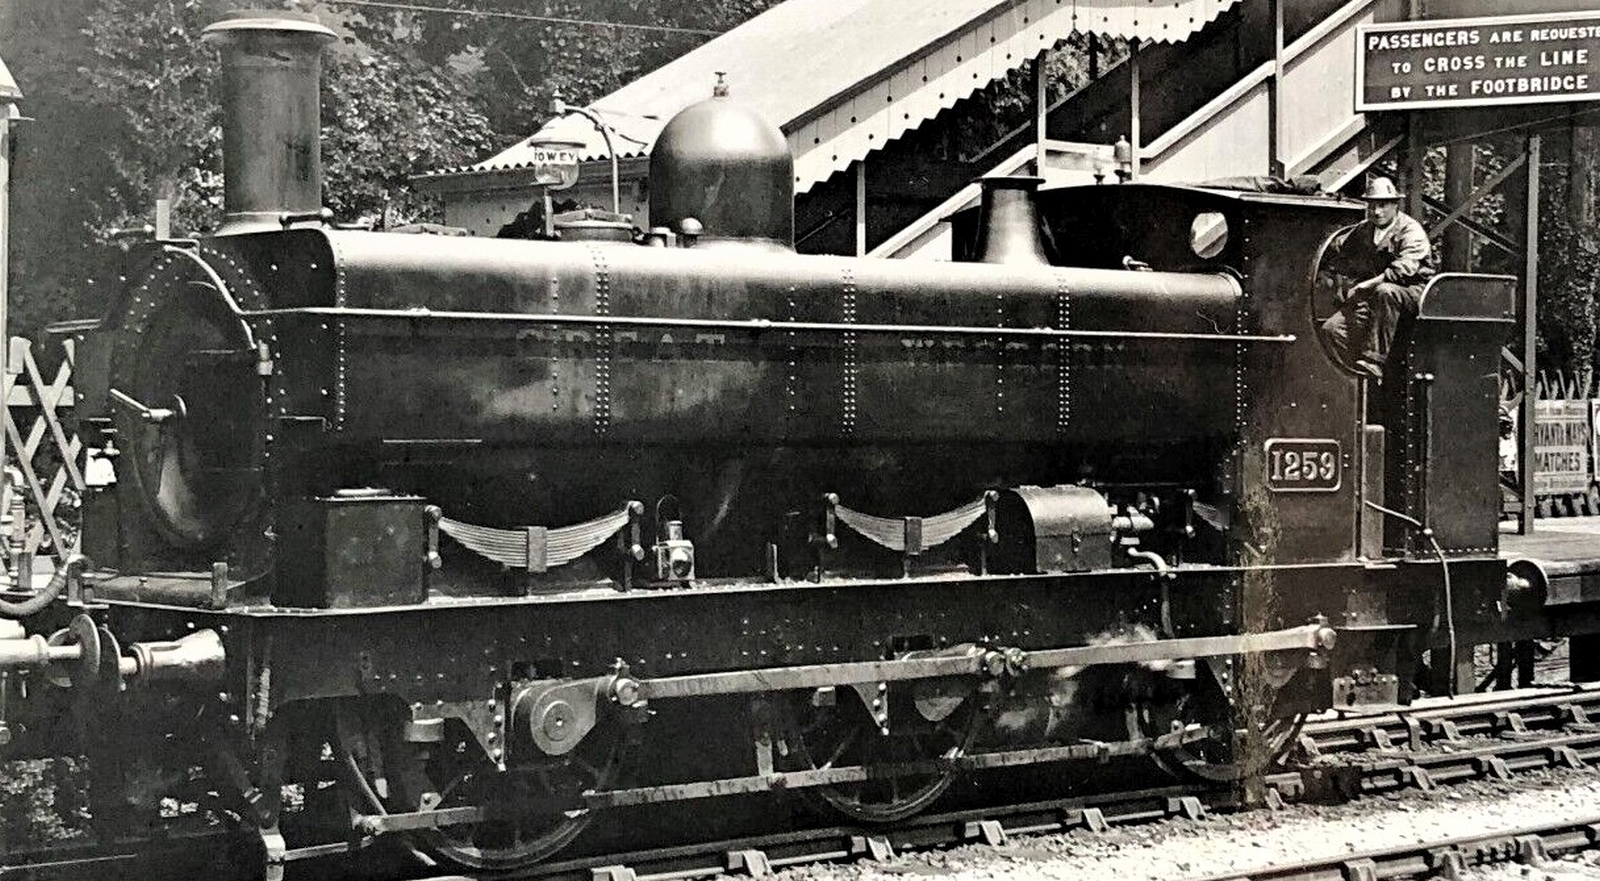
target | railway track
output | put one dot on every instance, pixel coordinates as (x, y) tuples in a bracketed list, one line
[(1471, 738), (1450, 858)]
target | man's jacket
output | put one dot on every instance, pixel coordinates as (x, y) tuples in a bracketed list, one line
[(1401, 253)]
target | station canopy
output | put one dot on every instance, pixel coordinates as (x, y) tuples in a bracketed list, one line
[(8, 86), (844, 77)]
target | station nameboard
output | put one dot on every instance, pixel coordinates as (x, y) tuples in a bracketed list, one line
[(1472, 62), (554, 165)]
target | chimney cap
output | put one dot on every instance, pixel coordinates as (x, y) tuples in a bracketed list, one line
[(258, 20)]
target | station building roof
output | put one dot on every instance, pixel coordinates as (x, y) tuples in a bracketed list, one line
[(844, 77), (8, 86)]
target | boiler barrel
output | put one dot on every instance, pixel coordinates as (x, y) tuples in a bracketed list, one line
[(440, 338)]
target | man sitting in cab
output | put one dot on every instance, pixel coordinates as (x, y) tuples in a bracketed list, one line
[(1390, 254)]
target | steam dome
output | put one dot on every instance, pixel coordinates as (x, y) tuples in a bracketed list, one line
[(720, 163)]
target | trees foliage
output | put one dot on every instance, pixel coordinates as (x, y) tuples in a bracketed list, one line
[(522, 62), (149, 79), (124, 94), (1568, 247), (1569, 274)]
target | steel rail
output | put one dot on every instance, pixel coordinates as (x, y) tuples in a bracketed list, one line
[(1383, 774), (836, 843), (1449, 721), (1448, 857), (1499, 760), (993, 824)]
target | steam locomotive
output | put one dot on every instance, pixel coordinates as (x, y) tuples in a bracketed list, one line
[(442, 531)]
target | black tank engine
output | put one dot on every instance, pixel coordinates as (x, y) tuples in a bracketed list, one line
[(478, 517)]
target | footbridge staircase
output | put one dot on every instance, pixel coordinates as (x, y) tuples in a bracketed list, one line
[(1265, 89)]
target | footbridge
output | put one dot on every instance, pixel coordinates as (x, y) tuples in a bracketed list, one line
[(1194, 89)]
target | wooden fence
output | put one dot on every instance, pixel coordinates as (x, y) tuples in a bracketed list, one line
[(44, 476)]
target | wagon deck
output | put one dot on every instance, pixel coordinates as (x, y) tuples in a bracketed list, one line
[(1574, 542)]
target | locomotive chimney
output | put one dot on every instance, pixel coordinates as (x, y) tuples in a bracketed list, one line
[(1008, 224), (271, 109)]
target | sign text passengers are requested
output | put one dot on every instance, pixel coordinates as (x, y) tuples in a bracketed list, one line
[(1513, 59)]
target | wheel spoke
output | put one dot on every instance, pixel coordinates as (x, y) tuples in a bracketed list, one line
[(847, 741), (1230, 753), (517, 834)]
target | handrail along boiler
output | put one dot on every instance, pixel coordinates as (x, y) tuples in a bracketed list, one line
[(492, 520)]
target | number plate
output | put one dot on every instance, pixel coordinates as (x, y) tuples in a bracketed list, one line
[(1298, 464)]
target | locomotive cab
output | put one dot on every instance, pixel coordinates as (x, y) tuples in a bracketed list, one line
[(1324, 466), (1293, 441), (1312, 437)]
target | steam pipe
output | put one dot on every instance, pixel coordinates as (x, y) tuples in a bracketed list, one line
[(73, 567)]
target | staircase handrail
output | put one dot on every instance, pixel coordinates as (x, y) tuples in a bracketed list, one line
[(1248, 83), (1155, 149), (964, 196)]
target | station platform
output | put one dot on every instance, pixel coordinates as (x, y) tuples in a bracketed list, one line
[(1566, 552), (1558, 540)]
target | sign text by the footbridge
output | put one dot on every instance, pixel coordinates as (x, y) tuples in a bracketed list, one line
[(1471, 62)]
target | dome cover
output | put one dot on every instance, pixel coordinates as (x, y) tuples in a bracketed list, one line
[(720, 163)]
